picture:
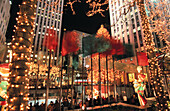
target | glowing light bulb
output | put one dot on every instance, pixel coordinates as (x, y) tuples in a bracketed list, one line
[(23, 30)]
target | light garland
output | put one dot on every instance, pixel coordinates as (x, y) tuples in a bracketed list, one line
[(70, 3), (159, 20), (156, 76), (96, 7), (18, 88), (42, 74)]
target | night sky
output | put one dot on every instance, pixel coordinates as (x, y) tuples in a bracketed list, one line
[(12, 20), (79, 21)]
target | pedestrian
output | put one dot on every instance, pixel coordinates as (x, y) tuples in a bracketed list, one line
[(56, 106), (30, 106)]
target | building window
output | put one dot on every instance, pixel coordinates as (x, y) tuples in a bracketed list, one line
[(117, 28), (1, 9), (123, 39), (0, 24), (128, 39), (133, 26), (122, 26), (2, 27), (138, 24), (132, 20), (135, 41), (39, 29), (43, 29), (140, 38), (3, 14)]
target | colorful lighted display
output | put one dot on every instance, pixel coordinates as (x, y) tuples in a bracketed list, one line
[(139, 89)]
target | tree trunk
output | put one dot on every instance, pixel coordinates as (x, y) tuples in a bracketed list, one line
[(18, 89)]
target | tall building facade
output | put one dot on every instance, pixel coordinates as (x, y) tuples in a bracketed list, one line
[(4, 19), (48, 16), (127, 27)]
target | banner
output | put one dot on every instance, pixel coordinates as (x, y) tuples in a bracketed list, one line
[(142, 59)]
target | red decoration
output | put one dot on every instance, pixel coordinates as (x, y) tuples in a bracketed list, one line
[(51, 39), (141, 77), (142, 59), (117, 48), (70, 43), (5, 65), (3, 103)]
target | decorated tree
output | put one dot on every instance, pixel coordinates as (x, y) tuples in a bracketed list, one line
[(156, 76), (18, 88)]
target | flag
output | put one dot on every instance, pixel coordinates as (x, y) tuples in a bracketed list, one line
[(75, 62), (91, 45), (142, 59), (128, 52), (70, 43), (116, 48), (51, 39)]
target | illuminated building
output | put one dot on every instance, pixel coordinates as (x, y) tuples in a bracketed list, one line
[(5, 6), (127, 27), (4, 19), (48, 16)]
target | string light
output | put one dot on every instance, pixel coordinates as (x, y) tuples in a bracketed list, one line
[(16, 78), (153, 61)]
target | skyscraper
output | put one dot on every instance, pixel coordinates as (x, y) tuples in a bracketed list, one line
[(48, 16), (127, 27), (4, 19), (125, 24)]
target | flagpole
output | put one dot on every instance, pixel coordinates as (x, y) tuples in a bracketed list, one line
[(82, 72), (47, 86), (92, 78), (105, 84), (61, 82), (68, 74), (36, 98), (115, 92), (72, 91), (100, 94), (107, 80)]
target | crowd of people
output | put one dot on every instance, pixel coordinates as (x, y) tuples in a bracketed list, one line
[(41, 107), (88, 103)]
